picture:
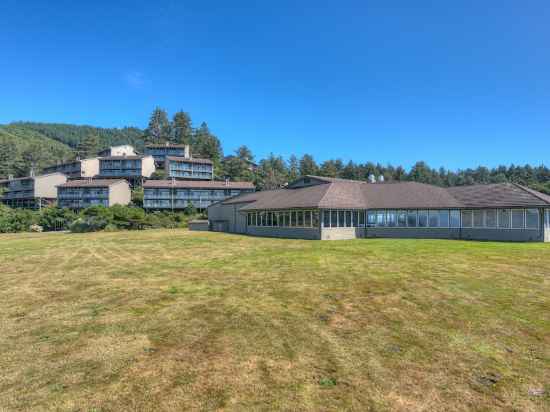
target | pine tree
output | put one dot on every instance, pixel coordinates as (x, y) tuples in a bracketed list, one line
[(159, 129), (293, 168), (88, 147), (181, 126), (244, 153), (308, 165)]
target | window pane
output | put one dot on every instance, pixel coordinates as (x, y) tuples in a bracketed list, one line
[(402, 218), (434, 218), (269, 219), (411, 218), (275, 218), (422, 218), (333, 218), (293, 219), (287, 219), (517, 219), (348, 218), (326, 218), (532, 218), (392, 218), (249, 219), (491, 218), (341, 218), (504, 218), (371, 218), (380, 218), (443, 218), (467, 218), (300, 218), (478, 218), (315, 218), (355, 218), (455, 218), (361, 218), (547, 213), (307, 218)]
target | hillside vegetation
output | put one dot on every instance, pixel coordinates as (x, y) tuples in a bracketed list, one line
[(176, 320)]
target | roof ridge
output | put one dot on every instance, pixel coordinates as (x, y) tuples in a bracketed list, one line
[(532, 192)]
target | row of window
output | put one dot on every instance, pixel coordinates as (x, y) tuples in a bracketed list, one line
[(82, 203), (413, 218), (185, 193), (175, 204), (75, 192), (190, 166), (286, 218)]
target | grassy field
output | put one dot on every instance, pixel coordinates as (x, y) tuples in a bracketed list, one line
[(178, 320)]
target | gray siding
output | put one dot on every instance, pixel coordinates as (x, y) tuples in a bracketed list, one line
[(342, 233), (285, 232), (511, 235), (413, 233), (235, 222)]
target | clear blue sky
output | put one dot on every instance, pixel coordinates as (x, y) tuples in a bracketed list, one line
[(457, 84)]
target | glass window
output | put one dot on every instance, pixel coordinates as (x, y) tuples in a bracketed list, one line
[(504, 218), (517, 219), (300, 218), (467, 218), (249, 219), (263, 219), (269, 219), (411, 218), (341, 218), (547, 213), (293, 219), (333, 218), (315, 218), (532, 218), (326, 218), (392, 218), (286, 219), (443, 218), (380, 218), (402, 218), (307, 218), (478, 218), (361, 218), (355, 218), (348, 218), (422, 218), (491, 218), (455, 218), (371, 218), (434, 218), (275, 218)]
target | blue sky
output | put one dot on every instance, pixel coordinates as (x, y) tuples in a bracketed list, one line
[(456, 84)]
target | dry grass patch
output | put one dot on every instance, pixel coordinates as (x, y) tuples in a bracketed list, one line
[(178, 320)]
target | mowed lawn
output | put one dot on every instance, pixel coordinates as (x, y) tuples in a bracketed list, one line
[(179, 320)]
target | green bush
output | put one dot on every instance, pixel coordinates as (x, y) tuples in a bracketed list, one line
[(88, 224), (55, 218), (16, 220)]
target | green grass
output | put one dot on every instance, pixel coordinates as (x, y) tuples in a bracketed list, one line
[(178, 320)]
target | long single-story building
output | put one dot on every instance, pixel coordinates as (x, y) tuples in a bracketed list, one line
[(314, 207)]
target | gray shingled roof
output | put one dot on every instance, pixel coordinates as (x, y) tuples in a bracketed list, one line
[(348, 194), (189, 159), (196, 184), (92, 183)]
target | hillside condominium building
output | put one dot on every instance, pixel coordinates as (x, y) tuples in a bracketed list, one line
[(315, 207), (161, 151), (32, 191), (132, 168), (75, 169), (177, 194), (79, 194)]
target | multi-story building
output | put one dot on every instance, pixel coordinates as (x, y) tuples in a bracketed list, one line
[(78, 194), (76, 169), (122, 150), (314, 207), (32, 191), (160, 151), (177, 194), (189, 168), (132, 168)]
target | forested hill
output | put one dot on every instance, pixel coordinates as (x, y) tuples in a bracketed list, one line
[(26, 144)]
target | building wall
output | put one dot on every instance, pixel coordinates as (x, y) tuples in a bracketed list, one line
[(119, 194), (124, 150), (201, 225), (342, 233), (285, 232), (236, 221), (147, 166), (89, 167), (413, 233), (46, 186)]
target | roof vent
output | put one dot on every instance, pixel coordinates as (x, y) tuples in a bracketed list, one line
[(372, 178)]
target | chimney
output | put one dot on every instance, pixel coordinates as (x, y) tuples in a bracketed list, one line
[(381, 179), (186, 152), (372, 179)]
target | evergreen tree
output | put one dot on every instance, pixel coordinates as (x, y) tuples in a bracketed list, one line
[(244, 153), (206, 144), (328, 169), (293, 168), (159, 129), (272, 173), (88, 147), (183, 132), (308, 166)]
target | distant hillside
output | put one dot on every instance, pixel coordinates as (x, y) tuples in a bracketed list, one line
[(24, 144)]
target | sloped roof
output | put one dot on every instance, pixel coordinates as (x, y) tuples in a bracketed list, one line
[(197, 184), (92, 183), (128, 157), (189, 159), (331, 193), (163, 145), (498, 195)]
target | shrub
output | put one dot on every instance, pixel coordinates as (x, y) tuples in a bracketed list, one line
[(88, 224), (56, 218), (36, 228)]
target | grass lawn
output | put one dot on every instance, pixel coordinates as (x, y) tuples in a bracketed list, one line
[(178, 320)]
